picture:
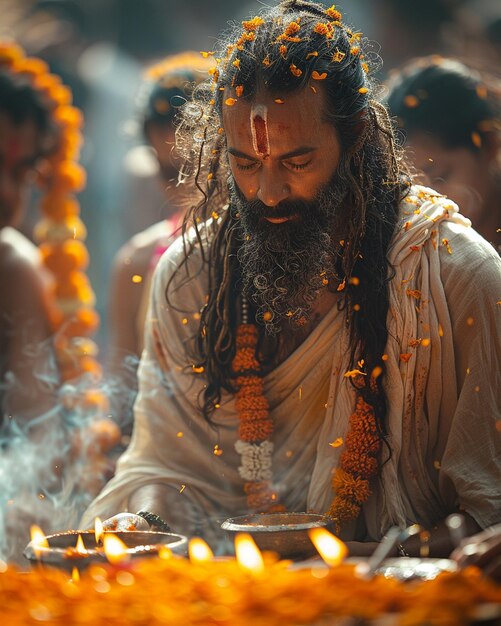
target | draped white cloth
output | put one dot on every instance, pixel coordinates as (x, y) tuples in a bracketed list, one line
[(444, 402)]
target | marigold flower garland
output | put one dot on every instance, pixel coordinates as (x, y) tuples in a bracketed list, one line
[(61, 232), (256, 426), (358, 464)]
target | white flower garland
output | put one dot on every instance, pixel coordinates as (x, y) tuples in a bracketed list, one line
[(256, 460)]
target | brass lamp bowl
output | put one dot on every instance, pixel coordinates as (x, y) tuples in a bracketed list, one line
[(61, 551), (283, 533)]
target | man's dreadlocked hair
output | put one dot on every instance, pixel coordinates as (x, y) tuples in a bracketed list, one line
[(279, 51)]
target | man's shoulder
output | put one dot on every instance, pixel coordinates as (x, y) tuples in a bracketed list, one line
[(464, 250), (19, 257), (25, 281)]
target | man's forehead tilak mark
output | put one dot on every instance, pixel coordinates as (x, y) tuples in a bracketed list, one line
[(259, 130)]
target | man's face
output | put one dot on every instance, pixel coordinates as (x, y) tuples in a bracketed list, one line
[(19, 151), (280, 147), (283, 157)]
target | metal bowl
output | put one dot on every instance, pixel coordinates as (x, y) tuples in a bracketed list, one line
[(408, 568), (283, 533), (61, 549)]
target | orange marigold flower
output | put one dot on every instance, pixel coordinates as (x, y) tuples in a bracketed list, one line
[(70, 176), (253, 24), (413, 293), (261, 501), (58, 206), (251, 403), (258, 486), (246, 335), (343, 510), (75, 283), (334, 14), (33, 67), (10, 53), (255, 430), (360, 444), (248, 415), (316, 76), (84, 322), (350, 487), (414, 343), (363, 465), (66, 257), (323, 28), (68, 116), (292, 29), (405, 357), (245, 359)]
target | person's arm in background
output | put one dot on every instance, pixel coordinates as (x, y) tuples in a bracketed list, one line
[(31, 377), (123, 305)]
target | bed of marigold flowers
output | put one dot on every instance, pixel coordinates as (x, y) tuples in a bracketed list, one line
[(173, 590)]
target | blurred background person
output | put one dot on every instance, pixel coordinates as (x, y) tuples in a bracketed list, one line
[(450, 118), (151, 191), (28, 378), (51, 437)]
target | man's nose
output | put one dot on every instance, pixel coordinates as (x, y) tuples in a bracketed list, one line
[(272, 188)]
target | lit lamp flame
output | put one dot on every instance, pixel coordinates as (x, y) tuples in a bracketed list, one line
[(80, 547), (75, 576), (38, 539), (164, 553), (248, 554), (331, 549), (199, 551), (98, 530), (115, 549)]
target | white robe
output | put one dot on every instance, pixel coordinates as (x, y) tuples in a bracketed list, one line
[(444, 404)]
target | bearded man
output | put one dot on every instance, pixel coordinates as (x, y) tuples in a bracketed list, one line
[(325, 336)]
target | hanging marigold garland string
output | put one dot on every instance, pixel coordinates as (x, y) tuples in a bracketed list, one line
[(256, 426), (357, 465), (61, 235), (61, 232)]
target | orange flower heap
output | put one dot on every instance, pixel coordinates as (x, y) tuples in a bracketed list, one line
[(61, 232), (256, 426)]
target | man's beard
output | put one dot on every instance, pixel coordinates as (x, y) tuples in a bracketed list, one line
[(284, 266)]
